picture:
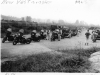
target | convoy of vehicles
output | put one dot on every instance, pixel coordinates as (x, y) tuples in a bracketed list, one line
[(37, 36), (22, 40), (55, 36)]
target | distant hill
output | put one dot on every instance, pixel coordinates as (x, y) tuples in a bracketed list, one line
[(10, 18)]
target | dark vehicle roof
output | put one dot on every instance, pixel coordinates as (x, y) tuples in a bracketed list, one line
[(66, 30)]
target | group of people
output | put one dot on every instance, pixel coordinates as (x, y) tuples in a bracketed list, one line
[(9, 33), (44, 33), (47, 33), (93, 35)]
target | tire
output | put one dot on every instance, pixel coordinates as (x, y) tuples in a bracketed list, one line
[(14, 42), (4, 39), (38, 40), (28, 41)]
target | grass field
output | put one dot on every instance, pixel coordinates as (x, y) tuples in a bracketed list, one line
[(64, 61)]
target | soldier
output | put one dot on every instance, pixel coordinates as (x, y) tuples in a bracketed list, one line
[(8, 36), (21, 33), (43, 34), (48, 34), (9, 32), (33, 33), (42, 31), (79, 31), (59, 34), (94, 35), (87, 34)]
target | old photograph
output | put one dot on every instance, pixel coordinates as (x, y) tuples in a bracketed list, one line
[(50, 36)]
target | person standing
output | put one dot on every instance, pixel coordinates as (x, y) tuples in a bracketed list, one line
[(21, 33), (9, 32), (33, 34), (94, 35), (48, 34), (87, 34)]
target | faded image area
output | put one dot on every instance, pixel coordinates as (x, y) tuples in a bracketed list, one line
[(50, 36)]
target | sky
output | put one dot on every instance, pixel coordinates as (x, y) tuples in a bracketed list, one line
[(67, 10)]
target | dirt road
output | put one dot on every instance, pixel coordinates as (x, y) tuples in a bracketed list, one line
[(9, 50), (71, 43)]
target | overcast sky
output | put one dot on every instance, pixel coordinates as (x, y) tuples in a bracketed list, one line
[(68, 10)]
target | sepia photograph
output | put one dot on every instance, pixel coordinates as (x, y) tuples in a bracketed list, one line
[(50, 36)]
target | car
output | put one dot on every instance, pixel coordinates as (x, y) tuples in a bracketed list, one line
[(35, 37), (55, 36), (43, 35), (74, 32), (96, 36), (66, 33)]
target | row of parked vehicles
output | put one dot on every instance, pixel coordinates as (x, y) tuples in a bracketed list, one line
[(37, 36), (16, 39)]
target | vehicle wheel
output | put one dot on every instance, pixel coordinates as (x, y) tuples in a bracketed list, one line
[(38, 40), (3, 41), (14, 42), (28, 41)]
